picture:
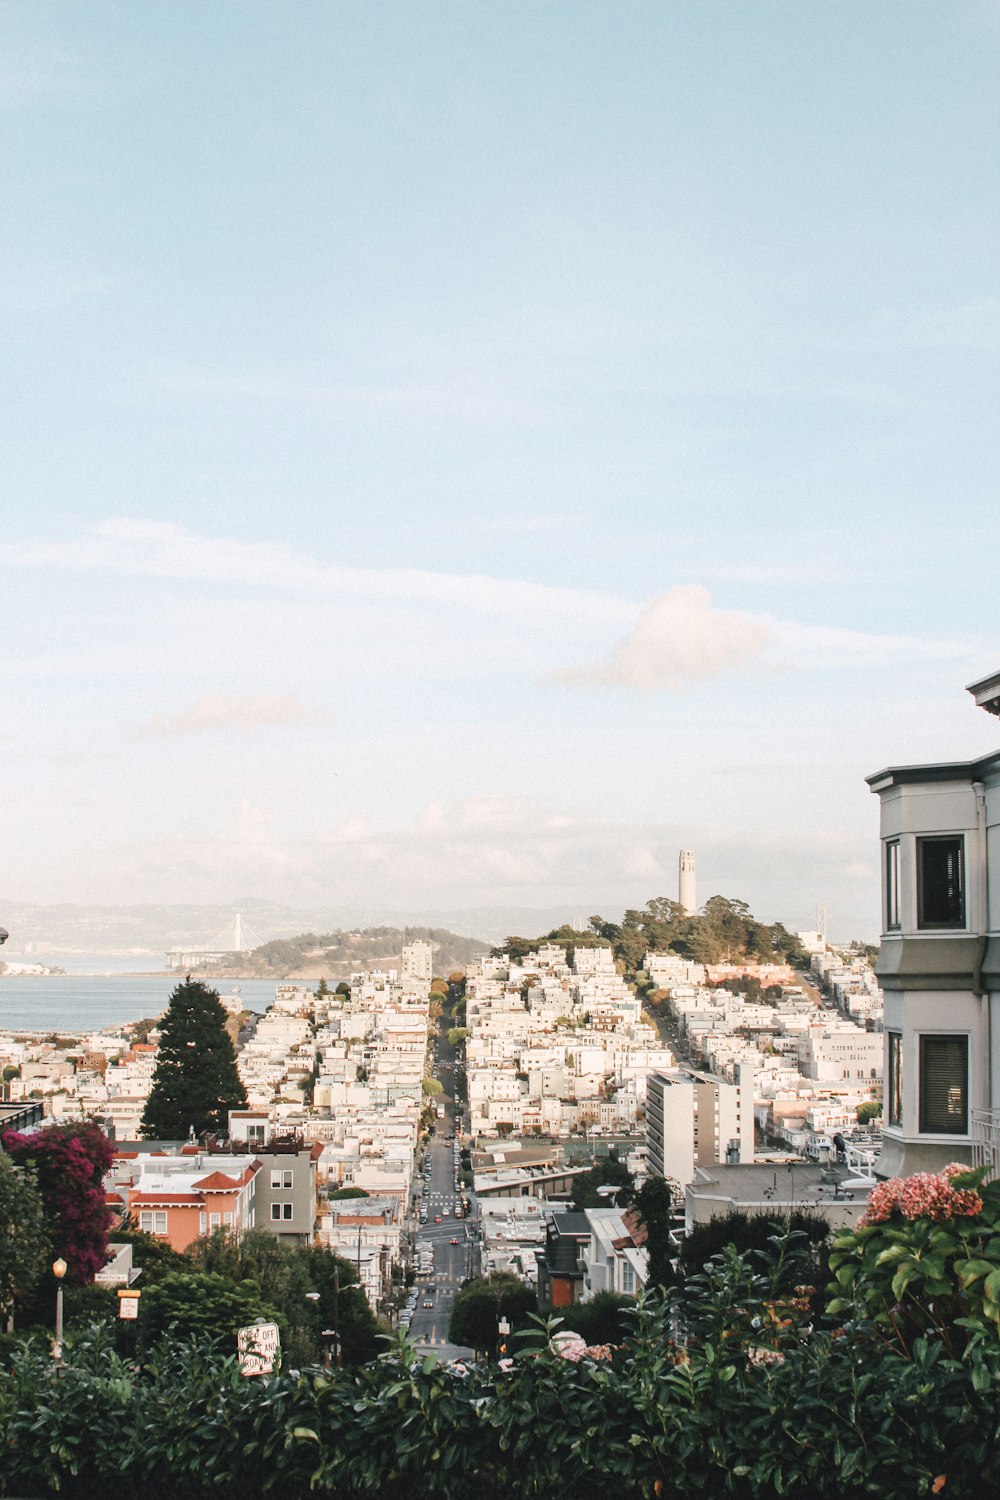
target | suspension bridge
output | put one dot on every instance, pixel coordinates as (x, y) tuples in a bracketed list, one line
[(236, 937)]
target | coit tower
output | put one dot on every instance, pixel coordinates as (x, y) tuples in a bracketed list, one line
[(687, 895)]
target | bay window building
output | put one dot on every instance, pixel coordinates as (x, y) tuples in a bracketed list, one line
[(939, 962)]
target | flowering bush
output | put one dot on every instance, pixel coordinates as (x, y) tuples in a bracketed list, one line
[(568, 1346), (924, 1260), (925, 1195), (70, 1162)]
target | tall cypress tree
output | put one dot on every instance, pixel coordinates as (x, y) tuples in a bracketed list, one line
[(195, 1082)]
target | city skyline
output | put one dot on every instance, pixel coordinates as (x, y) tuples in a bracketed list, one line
[(460, 458)]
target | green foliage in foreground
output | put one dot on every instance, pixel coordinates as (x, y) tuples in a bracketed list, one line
[(752, 1405)]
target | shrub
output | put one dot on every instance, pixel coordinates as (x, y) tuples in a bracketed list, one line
[(924, 1260)]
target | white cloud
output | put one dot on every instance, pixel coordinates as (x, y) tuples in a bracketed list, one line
[(680, 638), (215, 711), (161, 549)]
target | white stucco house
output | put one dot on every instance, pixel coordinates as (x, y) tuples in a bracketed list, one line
[(939, 964)]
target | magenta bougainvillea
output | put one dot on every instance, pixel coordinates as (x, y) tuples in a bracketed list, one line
[(925, 1195), (70, 1162)]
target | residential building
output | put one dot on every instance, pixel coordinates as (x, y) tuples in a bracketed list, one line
[(939, 963), (695, 1118)]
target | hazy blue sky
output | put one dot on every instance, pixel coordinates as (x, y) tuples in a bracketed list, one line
[(457, 453)]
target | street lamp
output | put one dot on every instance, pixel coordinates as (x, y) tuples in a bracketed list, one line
[(59, 1269)]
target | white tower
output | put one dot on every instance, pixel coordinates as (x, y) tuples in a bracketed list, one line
[(686, 888)]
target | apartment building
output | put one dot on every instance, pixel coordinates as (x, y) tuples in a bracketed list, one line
[(695, 1119)]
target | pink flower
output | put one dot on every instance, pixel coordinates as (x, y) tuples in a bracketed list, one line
[(568, 1345), (925, 1195)]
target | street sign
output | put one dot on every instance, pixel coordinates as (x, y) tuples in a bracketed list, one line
[(259, 1348), (128, 1304)]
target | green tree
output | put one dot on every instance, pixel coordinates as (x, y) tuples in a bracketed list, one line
[(607, 1172), (654, 1202), (201, 1304), (868, 1109), (284, 1276), (24, 1241), (482, 1302), (431, 1086), (803, 1257), (455, 1035), (195, 1082)]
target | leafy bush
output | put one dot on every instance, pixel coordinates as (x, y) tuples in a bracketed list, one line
[(924, 1259), (722, 1389)]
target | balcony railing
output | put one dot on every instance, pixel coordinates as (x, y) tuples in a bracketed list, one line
[(986, 1139)]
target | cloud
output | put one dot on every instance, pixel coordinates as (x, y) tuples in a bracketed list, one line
[(215, 711), (164, 550), (680, 638)]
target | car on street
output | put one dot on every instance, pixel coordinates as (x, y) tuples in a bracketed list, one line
[(454, 1240), (428, 1303)]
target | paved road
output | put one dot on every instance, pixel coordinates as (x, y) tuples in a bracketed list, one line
[(452, 1263)]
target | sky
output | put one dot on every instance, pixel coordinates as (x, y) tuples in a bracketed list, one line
[(458, 454)]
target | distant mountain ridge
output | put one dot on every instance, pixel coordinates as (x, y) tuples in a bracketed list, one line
[(158, 929)]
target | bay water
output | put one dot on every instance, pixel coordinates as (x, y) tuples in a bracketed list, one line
[(106, 991)]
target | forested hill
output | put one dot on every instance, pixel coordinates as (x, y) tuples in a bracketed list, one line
[(314, 955), (724, 931)]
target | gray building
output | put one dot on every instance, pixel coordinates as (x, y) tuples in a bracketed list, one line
[(286, 1183), (939, 962)]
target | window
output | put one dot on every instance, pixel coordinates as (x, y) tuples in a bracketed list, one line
[(153, 1222), (255, 1134), (941, 882), (628, 1279), (944, 1085), (215, 1221), (281, 1210), (203, 1222), (282, 1179), (892, 885), (894, 1087)]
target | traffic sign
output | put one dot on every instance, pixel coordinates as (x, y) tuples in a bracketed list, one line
[(259, 1348), (128, 1304)]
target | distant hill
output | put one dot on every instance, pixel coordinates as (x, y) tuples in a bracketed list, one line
[(153, 930), (334, 955)]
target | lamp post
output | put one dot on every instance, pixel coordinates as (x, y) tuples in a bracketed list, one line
[(59, 1269)]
